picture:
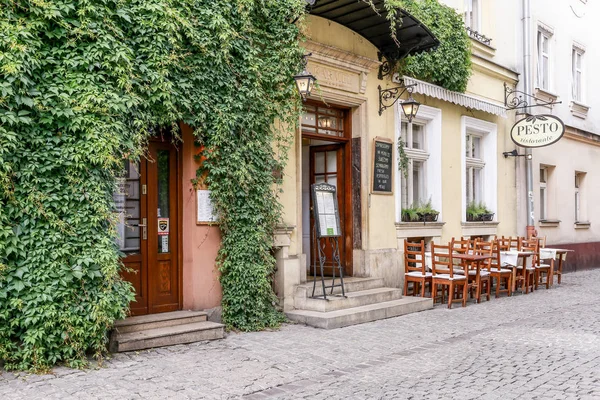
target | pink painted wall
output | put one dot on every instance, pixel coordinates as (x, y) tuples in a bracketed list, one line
[(201, 288)]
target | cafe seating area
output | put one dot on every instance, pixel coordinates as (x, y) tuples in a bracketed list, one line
[(471, 269)]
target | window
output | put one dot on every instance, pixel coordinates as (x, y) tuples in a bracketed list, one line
[(472, 15), (543, 60), (578, 186), (474, 168), (543, 193), (413, 185), (577, 71), (479, 165)]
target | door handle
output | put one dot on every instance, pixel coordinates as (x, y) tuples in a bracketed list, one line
[(144, 226)]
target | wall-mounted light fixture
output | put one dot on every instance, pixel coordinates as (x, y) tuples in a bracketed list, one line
[(305, 80), (389, 97), (514, 153)]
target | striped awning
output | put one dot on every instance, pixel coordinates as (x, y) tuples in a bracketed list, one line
[(461, 99)]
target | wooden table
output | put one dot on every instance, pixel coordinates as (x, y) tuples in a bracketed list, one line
[(474, 259), (561, 253), (522, 255)]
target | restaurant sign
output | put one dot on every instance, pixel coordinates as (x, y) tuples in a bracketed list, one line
[(537, 131)]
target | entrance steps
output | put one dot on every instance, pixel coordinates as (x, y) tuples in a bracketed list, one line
[(164, 329), (367, 300)]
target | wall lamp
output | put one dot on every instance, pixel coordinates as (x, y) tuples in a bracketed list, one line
[(514, 153), (305, 80), (389, 97)]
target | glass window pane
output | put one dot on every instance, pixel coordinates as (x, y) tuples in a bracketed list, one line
[(476, 147), (404, 132), (417, 182), (320, 163), (332, 180), (127, 204), (332, 161), (320, 179), (417, 137), (163, 211), (477, 185)]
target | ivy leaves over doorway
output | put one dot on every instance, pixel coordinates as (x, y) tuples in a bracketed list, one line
[(81, 86)]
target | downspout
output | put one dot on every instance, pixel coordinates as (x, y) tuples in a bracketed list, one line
[(528, 89)]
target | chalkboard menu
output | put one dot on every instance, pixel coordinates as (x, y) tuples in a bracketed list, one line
[(383, 161), (326, 211)]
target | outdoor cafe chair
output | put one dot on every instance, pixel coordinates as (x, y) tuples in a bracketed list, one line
[(444, 275), (529, 270), (482, 248), (541, 270), (415, 269), (499, 274)]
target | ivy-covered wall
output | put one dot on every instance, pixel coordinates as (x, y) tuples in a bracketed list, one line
[(449, 66), (81, 85)]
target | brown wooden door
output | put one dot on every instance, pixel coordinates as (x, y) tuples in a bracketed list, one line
[(152, 231), (327, 165)]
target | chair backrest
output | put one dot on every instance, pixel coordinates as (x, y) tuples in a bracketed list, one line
[(541, 241), (497, 248), (482, 248), (460, 246), (414, 256), (441, 259), (532, 245), (503, 243), (515, 242)]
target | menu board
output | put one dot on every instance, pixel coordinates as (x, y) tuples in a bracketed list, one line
[(326, 211), (205, 213), (383, 161)]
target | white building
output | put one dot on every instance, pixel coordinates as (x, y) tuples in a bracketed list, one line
[(564, 55)]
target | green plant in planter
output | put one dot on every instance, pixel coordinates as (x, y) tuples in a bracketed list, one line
[(420, 212), (478, 212)]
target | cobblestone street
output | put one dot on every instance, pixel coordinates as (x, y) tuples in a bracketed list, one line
[(543, 345)]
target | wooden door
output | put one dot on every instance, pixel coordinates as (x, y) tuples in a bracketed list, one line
[(152, 230), (327, 166)]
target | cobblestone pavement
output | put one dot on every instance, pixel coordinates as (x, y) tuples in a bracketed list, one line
[(544, 345)]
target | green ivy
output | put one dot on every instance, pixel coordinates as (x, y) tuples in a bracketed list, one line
[(449, 66), (82, 85)]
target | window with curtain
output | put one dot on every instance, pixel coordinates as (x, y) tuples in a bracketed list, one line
[(414, 188), (474, 168)]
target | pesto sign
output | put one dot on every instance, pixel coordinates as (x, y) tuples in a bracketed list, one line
[(383, 152), (537, 131)]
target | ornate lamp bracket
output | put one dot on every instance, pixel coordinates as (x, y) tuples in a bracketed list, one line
[(389, 97), (516, 99), (386, 68)]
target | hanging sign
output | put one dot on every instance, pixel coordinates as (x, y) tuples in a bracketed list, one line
[(383, 160), (537, 131), (326, 211)]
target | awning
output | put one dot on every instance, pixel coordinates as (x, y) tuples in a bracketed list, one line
[(465, 100), (357, 15)]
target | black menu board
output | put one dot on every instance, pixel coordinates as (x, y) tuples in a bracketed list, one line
[(383, 161)]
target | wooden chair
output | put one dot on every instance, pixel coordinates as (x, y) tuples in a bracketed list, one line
[(515, 242), (443, 274), (498, 273), (415, 270), (541, 241), (541, 270), (529, 273), (483, 249), (462, 246), (503, 244)]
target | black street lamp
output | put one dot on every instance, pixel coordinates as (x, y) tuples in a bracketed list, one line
[(305, 80), (410, 108)]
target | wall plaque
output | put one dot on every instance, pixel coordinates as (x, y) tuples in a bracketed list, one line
[(205, 213), (383, 166), (326, 210), (537, 131)]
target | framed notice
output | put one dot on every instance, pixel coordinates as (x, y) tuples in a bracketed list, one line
[(205, 213), (383, 166), (326, 210)]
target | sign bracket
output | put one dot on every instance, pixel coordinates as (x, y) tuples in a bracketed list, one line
[(516, 99)]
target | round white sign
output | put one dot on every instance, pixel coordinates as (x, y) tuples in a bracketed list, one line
[(537, 131)]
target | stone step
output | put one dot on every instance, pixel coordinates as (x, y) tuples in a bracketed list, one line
[(167, 336), (351, 284), (353, 299), (359, 315), (162, 320)]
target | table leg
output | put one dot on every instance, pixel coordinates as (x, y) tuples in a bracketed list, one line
[(514, 279), (560, 265), (478, 280)]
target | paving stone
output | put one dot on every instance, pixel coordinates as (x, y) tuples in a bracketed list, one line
[(543, 345)]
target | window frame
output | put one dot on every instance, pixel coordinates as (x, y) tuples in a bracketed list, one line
[(544, 36), (577, 85), (544, 190), (472, 18)]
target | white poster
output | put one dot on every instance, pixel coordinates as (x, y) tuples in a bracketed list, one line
[(205, 211)]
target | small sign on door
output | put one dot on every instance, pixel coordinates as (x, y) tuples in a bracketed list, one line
[(163, 226)]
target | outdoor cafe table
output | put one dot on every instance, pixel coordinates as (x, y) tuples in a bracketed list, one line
[(511, 259), (474, 259), (556, 254)]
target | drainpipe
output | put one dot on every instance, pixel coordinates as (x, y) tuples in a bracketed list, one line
[(528, 89)]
